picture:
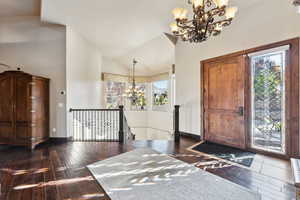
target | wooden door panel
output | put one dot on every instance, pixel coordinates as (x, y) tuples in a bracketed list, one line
[(226, 121), (224, 83)]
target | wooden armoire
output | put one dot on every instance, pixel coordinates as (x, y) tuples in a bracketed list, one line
[(24, 109)]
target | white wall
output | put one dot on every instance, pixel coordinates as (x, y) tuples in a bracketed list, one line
[(38, 49), (267, 22), (83, 74), (148, 123)]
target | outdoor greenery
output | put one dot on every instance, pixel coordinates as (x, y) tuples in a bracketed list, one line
[(141, 102), (160, 99), (268, 98)]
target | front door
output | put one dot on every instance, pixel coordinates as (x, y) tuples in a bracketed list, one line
[(224, 101)]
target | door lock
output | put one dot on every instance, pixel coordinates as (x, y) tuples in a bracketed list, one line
[(241, 111)]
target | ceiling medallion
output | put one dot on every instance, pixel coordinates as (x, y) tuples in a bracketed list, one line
[(209, 17)]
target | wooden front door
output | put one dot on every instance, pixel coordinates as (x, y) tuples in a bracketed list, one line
[(224, 101)]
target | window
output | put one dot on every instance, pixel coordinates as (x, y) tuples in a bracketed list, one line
[(141, 103), (160, 95), (114, 94), (268, 100)]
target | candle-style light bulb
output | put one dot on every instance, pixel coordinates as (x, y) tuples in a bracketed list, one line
[(221, 3), (180, 13), (197, 3), (174, 27), (230, 12)]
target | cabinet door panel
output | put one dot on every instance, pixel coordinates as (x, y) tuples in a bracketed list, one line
[(6, 108), (23, 106)]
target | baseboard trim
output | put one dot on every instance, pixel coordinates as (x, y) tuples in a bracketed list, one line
[(190, 135), (60, 139)]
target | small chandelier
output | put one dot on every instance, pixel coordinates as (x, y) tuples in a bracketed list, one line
[(209, 17), (133, 93)]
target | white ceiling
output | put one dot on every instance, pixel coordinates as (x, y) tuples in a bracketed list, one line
[(122, 30), (155, 56), (10, 8)]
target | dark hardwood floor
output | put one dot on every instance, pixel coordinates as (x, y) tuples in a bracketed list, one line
[(57, 170)]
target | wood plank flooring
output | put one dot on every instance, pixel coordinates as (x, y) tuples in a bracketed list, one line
[(56, 171)]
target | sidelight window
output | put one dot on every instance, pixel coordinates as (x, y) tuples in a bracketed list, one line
[(268, 100)]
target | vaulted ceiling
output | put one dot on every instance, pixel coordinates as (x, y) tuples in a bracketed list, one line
[(125, 29), (122, 30)]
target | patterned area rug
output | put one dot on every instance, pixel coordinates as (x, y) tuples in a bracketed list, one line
[(148, 175), (231, 154)]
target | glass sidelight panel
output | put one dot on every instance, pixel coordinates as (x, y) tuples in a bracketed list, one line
[(268, 100)]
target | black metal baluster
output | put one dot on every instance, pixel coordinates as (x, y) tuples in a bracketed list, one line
[(84, 125), (81, 116), (96, 125), (77, 124), (72, 113), (110, 126), (86, 137), (105, 131), (114, 120), (89, 127), (93, 125), (101, 125), (74, 124)]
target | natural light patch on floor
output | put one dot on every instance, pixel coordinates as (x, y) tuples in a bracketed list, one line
[(88, 196), (54, 183), (23, 171)]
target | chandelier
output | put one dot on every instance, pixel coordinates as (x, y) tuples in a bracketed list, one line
[(209, 17), (133, 93), (297, 4)]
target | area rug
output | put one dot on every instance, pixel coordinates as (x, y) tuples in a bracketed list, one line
[(144, 174), (231, 154)]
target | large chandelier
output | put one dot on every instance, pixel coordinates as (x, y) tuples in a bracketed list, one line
[(133, 93), (297, 4), (209, 17)]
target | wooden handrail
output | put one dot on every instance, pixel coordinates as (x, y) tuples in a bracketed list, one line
[(72, 110)]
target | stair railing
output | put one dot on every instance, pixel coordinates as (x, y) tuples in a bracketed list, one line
[(101, 125)]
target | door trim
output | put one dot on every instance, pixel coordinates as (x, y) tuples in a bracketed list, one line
[(292, 95)]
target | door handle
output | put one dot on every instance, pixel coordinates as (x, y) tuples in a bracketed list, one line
[(241, 111)]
